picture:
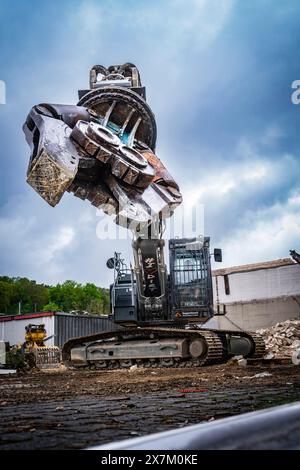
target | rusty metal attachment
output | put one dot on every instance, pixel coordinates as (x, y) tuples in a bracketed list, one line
[(103, 150)]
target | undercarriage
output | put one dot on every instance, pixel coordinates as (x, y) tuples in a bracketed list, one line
[(161, 347)]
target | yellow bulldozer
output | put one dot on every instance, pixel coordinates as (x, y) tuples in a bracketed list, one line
[(37, 354)]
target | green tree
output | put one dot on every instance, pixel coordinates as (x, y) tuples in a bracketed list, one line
[(67, 296), (31, 295), (6, 293), (51, 307)]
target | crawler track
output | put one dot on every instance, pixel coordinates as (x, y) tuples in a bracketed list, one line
[(216, 347), (258, 345)]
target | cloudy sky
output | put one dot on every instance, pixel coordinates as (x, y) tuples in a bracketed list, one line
[(218, 75)]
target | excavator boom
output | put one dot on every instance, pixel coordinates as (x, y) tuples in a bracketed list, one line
[(102, 150)]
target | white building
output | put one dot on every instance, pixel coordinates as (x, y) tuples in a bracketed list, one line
[(59, 326), (257, 295)]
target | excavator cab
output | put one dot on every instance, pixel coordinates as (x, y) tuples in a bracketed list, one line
[(185, 295)]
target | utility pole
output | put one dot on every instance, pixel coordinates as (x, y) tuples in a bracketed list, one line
[(19, 307)]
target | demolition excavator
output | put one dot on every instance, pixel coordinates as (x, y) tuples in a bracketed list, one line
[(103, 150)]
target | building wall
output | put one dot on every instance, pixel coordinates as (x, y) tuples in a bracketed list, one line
[(62, 325), (258, 299), (13, 331), (68, 326), (260, 284), (259, 314)]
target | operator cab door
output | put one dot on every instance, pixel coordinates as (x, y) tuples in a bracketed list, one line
[(190, 279)]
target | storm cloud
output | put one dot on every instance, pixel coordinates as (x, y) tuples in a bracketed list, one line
[(218, 75)]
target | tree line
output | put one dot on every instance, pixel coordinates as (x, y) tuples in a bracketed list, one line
[(27, 296)]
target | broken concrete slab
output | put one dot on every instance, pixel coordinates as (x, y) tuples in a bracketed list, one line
[(7, 371)]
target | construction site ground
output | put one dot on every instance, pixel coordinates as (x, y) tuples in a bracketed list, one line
[(75, 409)]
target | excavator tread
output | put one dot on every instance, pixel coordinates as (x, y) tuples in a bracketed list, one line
[(215, 354), (259, 347), (215, 340)]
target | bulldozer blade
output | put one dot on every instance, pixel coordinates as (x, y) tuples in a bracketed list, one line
[(47, 358)]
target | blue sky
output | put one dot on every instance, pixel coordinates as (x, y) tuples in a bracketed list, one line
[(218, 75)]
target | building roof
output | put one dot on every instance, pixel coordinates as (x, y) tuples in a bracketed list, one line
[(254, 267), (25, 316)]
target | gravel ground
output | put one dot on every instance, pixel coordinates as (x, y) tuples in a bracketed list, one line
[(68, 409)]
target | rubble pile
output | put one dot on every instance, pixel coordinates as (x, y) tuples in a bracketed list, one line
[(282, 340)]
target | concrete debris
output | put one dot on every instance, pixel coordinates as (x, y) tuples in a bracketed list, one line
[(59, 408), (261, 374), (282, 340), (7, 371), (242, 362), (269, 356), (133, 368), (256, 376), (238, 360), (296, 357)]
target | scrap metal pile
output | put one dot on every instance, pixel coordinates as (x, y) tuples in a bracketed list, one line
[(102, 150), (282, 340)]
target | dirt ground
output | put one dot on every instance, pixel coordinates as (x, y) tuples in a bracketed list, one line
[(65, 408)]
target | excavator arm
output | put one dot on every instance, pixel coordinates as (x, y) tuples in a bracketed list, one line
[(103, 150)]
